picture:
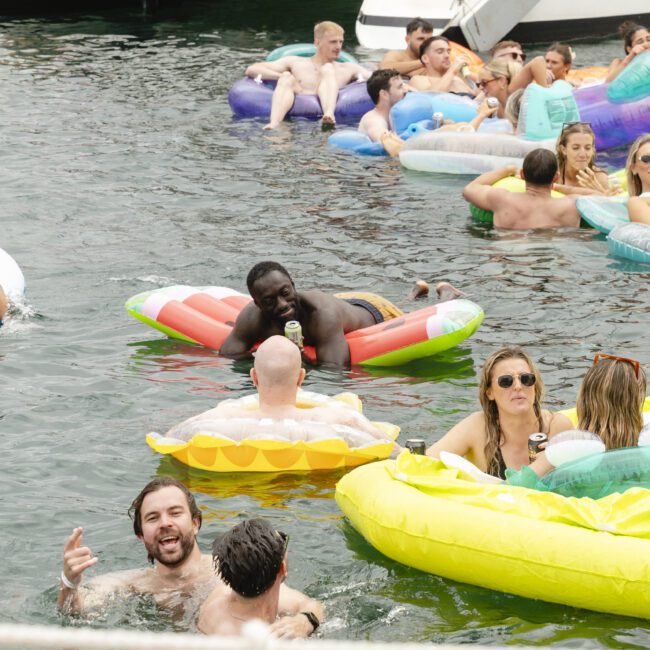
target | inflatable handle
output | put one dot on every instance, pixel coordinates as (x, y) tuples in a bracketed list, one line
[(304, 49), (545, 110), (633, 82), (353, 140)]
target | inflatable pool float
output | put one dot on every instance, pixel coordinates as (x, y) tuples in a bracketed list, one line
[(602, 212), (465, 153), (357, 142), (630, 241), (206, 315), (251, 98), (633, 82), (511, 184), (578, 552), (253, 445), (12, 279), (416, 107), (587, 76)]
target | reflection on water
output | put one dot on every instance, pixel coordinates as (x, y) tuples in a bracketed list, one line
[(122, 171)]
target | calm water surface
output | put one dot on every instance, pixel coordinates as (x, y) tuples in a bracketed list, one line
[(124, 171)]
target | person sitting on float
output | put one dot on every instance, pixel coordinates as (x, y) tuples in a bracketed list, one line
[(496, 437), (320, 74), (558, 59), (407, 62), (277, 375), (638, 180), (636, 39), (576, 153), (609, 404)]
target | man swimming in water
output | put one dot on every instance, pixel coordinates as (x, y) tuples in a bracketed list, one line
[(325, 319), (166, 520), (441, 75), (320, 75), (407, 62), (534, 208)]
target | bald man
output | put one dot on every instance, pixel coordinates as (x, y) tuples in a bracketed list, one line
[(277, 375)]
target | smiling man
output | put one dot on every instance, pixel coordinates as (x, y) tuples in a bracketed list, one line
[(320, 74), (166, 520)]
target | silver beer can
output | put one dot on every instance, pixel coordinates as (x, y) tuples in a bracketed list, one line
[(416, 446), (293, 331), (437, 118)]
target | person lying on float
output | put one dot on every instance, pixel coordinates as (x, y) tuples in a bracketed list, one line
[(535, 208), (320, 74), (277, 375), (325, 319)]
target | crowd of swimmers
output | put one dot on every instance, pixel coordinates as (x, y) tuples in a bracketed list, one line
[(244, 576)]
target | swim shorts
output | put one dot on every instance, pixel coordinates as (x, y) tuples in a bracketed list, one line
[(380, 308)]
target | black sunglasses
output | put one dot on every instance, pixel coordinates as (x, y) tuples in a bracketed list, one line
[(526, 378), (645, 158)]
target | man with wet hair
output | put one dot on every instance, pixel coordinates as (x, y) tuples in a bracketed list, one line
[(320, 74), (325, 318), (440, 74), (534, 208), (166, 520), (251, 560), (385, 88), (407, 62)]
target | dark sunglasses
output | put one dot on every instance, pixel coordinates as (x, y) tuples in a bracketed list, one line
[(516, 55), (485, 82), (634, 364), (645, 158), (526, 378)]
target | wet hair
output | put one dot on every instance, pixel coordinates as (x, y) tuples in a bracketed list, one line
[(154, 486), (249, 556), (424, 46), (563, 139), (260, 270), (419, 23), (540, 167), (503, 68), (513, 107), (501, 45), (627, 31), (609, 402), (634, 185), (493, 433), (380, 80), (320, 29), (563, 50)]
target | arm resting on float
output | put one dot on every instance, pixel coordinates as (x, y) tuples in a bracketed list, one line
[(293, 621), (480, 191), (270, 70), (393, 61), (638, 209)]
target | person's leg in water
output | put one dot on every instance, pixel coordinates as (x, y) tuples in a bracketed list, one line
[(283, 97), (447, 291), (328, 92), (418, 290)]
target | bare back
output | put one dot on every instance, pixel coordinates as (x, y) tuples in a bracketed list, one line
[(527, 211)]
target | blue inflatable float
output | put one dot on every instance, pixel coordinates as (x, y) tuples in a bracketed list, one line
[(602, 213), (631, 241)]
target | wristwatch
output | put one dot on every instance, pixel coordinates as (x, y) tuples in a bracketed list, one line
[(313, 619)]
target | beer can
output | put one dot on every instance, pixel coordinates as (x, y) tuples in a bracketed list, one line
[(534, 441), (492, 102), (416, 446), (437, 118), (293, 331)]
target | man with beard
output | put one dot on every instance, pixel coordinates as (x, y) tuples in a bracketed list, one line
[(325, 319), (407, 62), (166, 520)]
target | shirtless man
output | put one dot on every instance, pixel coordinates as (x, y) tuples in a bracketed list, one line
[(385, 88), (325, 319), (277, 375), (407, 62), (534, 208), (251, 560), (441, 75), (320, 75), (166, 520)]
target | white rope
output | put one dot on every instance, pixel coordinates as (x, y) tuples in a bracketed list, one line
[(257, 638)]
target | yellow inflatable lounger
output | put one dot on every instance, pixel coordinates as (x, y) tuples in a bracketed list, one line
[(580, 552), (267, 445)]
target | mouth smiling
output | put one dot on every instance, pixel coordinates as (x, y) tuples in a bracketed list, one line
[(168, 541)]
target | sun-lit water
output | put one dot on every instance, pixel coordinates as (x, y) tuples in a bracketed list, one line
[(122, 171)]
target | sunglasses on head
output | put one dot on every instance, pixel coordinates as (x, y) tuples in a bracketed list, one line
[(645, 158), (566, 125), (526, 378), (612, 357)]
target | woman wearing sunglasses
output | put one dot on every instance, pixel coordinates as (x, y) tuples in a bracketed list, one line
[(638, 180), (576, 153), (636, 39), (496, 437)]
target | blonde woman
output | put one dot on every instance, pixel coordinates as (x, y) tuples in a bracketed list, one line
[(576, 153), (494, 79), (638, 180), (496, 437)]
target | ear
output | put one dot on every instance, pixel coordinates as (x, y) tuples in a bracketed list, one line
[(301, 377), (196, 526), (253, 374), (284, 568), (556, 178), (490, 394), (521, 174)]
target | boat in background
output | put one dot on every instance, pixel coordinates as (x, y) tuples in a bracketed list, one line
[(479, 24)]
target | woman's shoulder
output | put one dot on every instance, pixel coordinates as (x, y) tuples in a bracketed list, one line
[(555, 422)]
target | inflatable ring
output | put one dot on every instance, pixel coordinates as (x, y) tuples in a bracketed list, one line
[(12, 279), (253, 445), (206, 315), (353, 140), (602, 212), (577, 552), (631, 241), (590, 75), (304, 49), (511, 184)]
